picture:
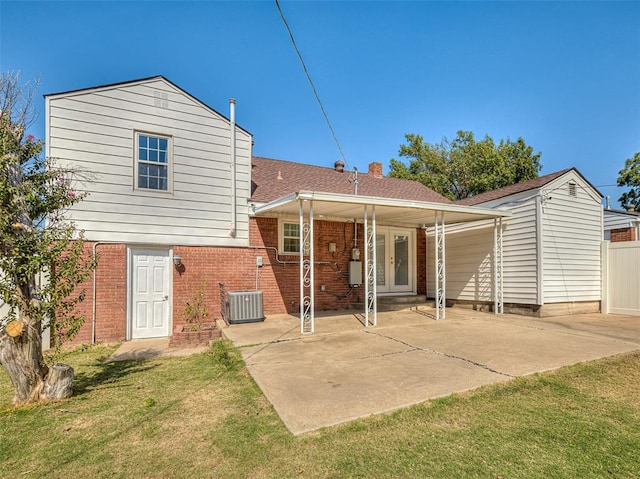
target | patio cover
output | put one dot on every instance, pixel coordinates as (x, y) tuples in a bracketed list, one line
[(389, 211)]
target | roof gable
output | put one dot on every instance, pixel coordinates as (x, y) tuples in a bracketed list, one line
[(141, 81), (272, 179), (530, 185)]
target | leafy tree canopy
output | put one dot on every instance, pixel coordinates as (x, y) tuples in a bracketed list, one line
[(630, 176), (42, 259), (465, 167)]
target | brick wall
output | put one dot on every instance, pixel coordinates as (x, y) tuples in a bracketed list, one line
[(623, 234), (206, 267), (111, 295), (421, 267), (280, 277)]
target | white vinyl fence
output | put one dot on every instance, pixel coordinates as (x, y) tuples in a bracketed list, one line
[(621, 277)]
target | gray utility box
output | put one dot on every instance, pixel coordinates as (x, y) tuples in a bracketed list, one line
[(355, 272), (244, 307)]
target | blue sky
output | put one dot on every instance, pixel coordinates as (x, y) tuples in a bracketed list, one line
[(565, 76)]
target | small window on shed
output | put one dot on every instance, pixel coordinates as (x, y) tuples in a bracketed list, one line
[(572, 189)]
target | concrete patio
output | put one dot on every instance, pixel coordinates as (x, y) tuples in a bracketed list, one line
[(344, 371)]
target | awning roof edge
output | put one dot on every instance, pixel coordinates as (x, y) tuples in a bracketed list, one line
[(337, 205)]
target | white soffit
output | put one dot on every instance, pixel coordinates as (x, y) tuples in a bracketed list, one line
[(388, 210)]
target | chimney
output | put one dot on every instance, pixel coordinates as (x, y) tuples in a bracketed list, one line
[(375, 169), (339, 166)]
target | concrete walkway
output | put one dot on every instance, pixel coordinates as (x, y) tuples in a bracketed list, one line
[(344, 371)]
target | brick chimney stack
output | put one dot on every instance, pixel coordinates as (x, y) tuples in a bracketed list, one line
[(375, 169)]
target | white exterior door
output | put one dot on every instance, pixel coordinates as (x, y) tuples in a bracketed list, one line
[(395, 257), (150, 293)]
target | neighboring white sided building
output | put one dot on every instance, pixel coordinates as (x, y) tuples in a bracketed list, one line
[(551, 248), (621, 225)]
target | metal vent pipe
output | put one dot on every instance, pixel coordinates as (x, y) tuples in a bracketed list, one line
[(232, 121)]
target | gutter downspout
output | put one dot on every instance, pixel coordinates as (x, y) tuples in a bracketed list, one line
[(232, 121), (95, 288)]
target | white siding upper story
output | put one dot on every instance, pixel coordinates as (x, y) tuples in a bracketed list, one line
[(551, 248), (94, 131)]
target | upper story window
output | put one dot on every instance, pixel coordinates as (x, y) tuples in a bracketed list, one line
[(153, 162), (289, 237)]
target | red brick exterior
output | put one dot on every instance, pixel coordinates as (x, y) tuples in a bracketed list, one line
[(421, 262), (278, 278), (111, 295), (623, 234)]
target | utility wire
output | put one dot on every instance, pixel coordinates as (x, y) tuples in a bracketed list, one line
[(304, 67)]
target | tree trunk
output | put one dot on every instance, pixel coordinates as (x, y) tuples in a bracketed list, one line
[(21, 357), (58, 383), (32, 380)]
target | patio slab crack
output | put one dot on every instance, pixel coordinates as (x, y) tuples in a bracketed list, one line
[(441, 353)]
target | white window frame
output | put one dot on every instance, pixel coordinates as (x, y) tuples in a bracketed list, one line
[(136, 161), (281, 223)]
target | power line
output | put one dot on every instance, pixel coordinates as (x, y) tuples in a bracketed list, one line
[(304, 67)]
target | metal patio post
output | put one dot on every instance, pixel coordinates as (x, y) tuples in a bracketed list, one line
[(370, 260), (307, 305), (498, 282), (440, 266)]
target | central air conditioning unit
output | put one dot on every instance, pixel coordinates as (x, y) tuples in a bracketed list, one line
[(244, 307)]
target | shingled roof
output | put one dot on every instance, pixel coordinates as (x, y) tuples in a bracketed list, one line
[(513, 189), (272, 179)]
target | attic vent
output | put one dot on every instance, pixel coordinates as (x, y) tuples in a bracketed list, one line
[(161, 99), (572, 190)]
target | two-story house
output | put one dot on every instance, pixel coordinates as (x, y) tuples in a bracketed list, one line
[(178, 203)]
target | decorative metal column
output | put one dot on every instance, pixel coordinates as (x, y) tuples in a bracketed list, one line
[(426, 263), (307, 306), (440, 267), (498, 284), (370, 260)]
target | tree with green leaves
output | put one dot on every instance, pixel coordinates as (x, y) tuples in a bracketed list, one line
[(630, 176), (465, 167), (42, 259)]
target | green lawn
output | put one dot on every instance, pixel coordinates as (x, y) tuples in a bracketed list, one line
[(203, 416)]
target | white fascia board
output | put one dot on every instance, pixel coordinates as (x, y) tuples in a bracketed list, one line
[(377, 201), (475, 212), (111, 86), (272, 205)]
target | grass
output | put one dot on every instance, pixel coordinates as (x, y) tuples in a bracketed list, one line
[(203, 416)]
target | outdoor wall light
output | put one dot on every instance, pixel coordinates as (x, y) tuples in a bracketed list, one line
[(177, 261)]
